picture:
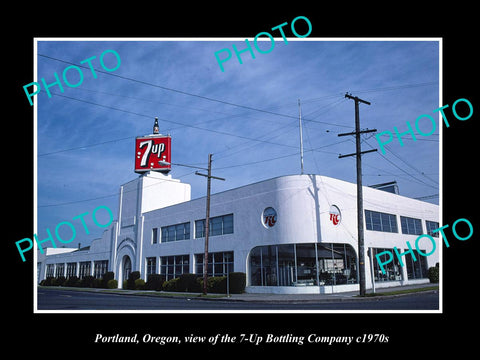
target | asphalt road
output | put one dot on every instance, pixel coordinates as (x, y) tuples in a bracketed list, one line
[(55, 299)]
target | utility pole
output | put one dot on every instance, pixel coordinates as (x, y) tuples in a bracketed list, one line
[(301, 136), (358, 153), (207, 220)]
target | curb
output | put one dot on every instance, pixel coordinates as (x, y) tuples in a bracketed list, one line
[(330, 299), (195, 296)]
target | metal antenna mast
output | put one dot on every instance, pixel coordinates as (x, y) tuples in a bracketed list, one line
[(301, 136)]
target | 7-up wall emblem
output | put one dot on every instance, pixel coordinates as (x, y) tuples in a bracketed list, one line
[(149, 150)]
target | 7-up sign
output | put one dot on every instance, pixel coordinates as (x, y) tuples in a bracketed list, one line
[(149, 150)]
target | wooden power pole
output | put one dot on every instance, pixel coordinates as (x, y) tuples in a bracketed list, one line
[(207, 220), (358, 153)]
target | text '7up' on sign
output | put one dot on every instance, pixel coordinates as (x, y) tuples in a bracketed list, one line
[(149, 150)]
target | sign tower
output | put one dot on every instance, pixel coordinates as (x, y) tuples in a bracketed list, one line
[(150, 149)]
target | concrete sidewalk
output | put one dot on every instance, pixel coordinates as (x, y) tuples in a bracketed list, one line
[(344, 296), (270, 298)]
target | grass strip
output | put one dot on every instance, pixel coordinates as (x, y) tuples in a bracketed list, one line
[(137, 292)]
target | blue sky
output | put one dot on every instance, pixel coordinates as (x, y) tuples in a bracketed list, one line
[(85, 137)]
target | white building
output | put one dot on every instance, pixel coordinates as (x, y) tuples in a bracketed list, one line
[(289, 234)]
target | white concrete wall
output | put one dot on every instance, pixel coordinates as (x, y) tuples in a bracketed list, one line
[(302, 203)]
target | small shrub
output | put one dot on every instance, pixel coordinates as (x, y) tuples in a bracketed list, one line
[(433, 274), (97, 283), (155, 282), (59, 281), (106, 278), (87, 281), (187, 283), (237, 282), (134, 275), (112, 284), (48, 281), (217, 284), (72, 281), (170, 285), (200, 284), (139, 284)]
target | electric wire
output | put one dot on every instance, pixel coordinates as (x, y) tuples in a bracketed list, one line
[(398, 167), (410, 165), (221, 132), (188, 93), (175, 122), (113, 195), (161, 119)]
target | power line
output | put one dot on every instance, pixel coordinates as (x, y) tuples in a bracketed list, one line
[(284, 156), (327, 108), (210, 99), (411, 166), (175, 122), (293, 124), (398, 87), (398, 167), (112, 195), (137, 114), (188, 93), (166, 120), (85, 146), (388, 173), (182, 106), (263, 137), (222, 102)]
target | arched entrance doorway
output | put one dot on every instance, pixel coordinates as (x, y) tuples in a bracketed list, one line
[(126, 268), (125, 260)]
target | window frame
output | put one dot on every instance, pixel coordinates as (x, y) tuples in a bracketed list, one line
[(154, 235), (380, 221), (409, 225), (430, 226), (218, 225), (175, 232)]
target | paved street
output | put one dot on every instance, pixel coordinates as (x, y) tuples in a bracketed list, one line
[(58, 299)]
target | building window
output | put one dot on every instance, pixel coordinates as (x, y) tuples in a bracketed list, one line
[(39, 267), (393, 270), (432, 225), (303, 265), (379, 221), (411, 226), (84, 269), (154, 235), (151, 266), (100, 268), (416, 269), (50, 271), (176, 232), (71, 269), (60, 270), (219, 225), (219, 263), (172, 267)]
